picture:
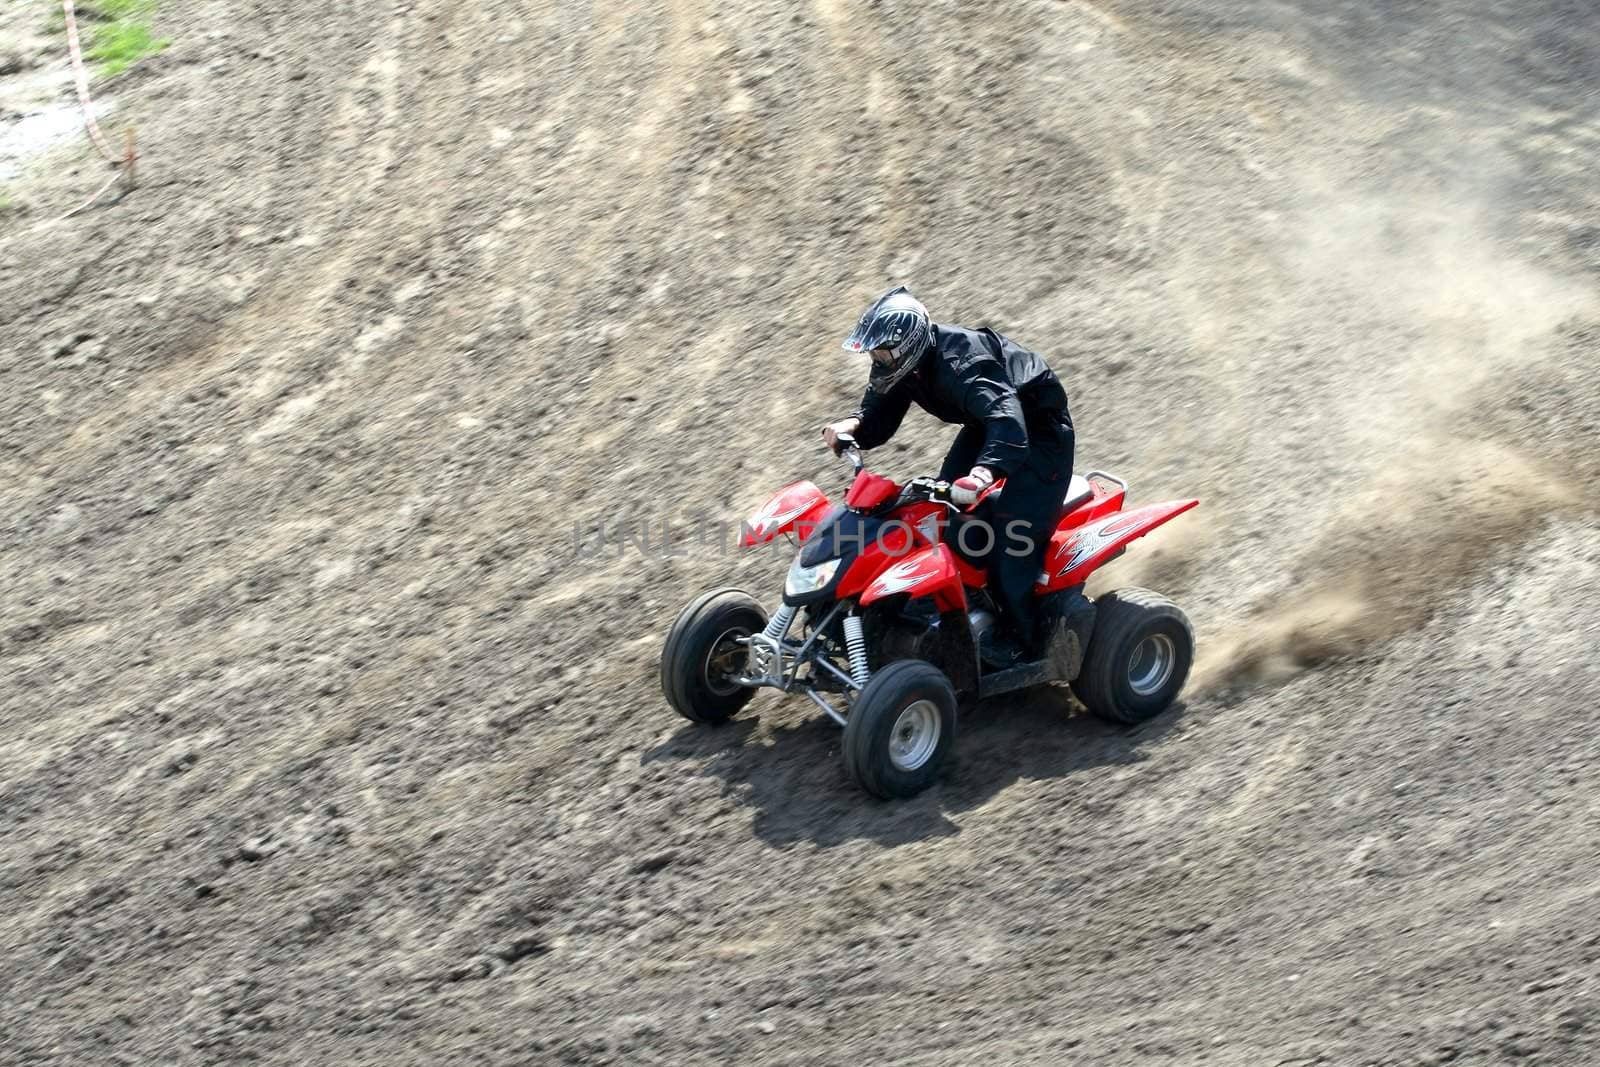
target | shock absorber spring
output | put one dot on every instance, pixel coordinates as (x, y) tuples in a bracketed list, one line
[(855, 642), (778, 625)]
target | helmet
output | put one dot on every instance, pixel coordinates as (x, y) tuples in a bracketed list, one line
[(898, 323)]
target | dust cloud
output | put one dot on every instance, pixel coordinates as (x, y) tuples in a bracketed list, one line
[(1436, 496)]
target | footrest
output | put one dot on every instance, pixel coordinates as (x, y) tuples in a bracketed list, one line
[(1021, 676)]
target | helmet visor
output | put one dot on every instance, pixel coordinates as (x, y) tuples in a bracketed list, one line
[(861, 338), (884, 329)]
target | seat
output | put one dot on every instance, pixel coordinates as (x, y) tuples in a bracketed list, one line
[(1079, 492)]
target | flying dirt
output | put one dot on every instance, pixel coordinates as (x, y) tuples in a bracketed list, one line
[(326, 738)]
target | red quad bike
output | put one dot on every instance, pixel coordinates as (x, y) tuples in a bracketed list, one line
[(882, 622)]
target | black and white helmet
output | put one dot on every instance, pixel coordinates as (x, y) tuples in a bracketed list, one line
[(897, 323)]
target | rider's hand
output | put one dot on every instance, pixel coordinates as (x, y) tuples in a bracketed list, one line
[(965, 491), (830, 433)]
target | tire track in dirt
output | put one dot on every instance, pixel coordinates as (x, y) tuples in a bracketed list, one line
[(378, 768)]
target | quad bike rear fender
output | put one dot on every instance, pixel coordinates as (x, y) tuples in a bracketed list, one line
[(1074, 554)]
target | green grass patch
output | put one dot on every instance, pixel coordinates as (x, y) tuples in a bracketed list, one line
[(116, 33), (119, 45)]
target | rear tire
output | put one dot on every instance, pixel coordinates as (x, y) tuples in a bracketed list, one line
[(1138, 659), (700, 654), (900, 730)]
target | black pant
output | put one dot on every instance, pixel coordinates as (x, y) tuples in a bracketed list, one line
[(1022, 516)]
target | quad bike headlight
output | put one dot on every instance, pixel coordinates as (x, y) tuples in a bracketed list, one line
[(803, 579)]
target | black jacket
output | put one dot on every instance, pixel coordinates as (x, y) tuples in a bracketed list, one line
[(984, 382)]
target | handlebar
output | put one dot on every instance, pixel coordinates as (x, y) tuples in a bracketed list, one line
[(934, 489), (848, 448), (925, 489), (938, 491)]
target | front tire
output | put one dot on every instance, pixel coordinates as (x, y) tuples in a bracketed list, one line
[(702, 654), (900, 730), (1139, 657)]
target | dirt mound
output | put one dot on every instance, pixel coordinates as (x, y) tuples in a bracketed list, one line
[(325, 733)]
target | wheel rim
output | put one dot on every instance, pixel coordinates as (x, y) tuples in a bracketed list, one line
[(1152, 664), (722, 661), (915, 735)]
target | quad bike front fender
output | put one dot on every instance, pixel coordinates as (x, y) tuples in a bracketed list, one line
[(930, 572), (1075, 554), (799, 507)]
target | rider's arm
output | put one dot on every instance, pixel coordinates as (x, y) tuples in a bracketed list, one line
[(880, 416), (991, 399)]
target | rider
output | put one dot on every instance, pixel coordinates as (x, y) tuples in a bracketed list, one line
[(1014, 425)]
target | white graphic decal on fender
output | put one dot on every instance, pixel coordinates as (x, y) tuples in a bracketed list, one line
[(903, 576), (1095, 538), (762, 521)]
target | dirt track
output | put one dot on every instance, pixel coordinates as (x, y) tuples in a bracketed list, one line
[(318, 746)]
